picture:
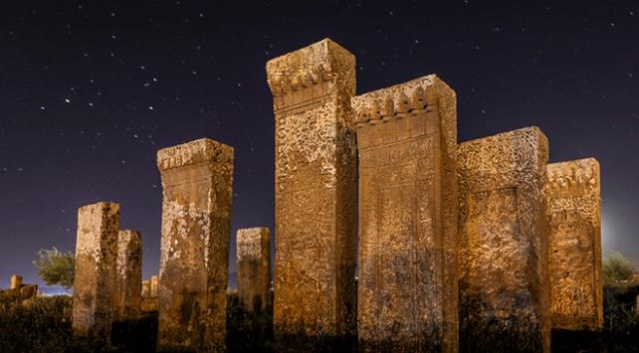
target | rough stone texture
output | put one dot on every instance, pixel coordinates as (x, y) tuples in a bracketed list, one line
[(197, 182), (95, 271), (254, 268), (315, 291), (16, 282), (155, 286), (504, 289), (407, 294), (128, 292), (574, 263)]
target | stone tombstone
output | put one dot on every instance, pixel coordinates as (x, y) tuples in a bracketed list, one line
[(254, 268), (197, 182), (407, 290), (315, 192), (95, 271), (154, 285), (16, 282), (503, 288), (574, 242), (146, 288), (128, 292)]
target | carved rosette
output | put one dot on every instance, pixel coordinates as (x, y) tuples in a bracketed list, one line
[(574, 215)]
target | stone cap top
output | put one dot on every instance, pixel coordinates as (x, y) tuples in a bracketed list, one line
[(563, 175), (102, 205), (387, 102), (324, 61), (507, 151), (197, 151), (129, 235)]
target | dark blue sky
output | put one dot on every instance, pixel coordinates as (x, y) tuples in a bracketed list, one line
[(90, 90)]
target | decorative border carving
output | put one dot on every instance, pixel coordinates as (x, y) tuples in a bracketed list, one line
[(197, 151)]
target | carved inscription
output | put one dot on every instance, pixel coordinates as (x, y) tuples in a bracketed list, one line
[(574, 216), (503, 288), (407, 299)]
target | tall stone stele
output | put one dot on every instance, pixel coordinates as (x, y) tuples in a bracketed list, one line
[(254, 268), (197, 182), (574, 215), (503, 288), (128, 284), (95, 272), (315, 291), (407, 293)]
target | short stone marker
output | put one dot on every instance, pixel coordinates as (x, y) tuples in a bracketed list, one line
[(254, 268), (128, 288), (95, 272)]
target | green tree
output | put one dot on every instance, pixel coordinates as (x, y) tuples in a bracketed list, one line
[(617, 270), (55, 267)]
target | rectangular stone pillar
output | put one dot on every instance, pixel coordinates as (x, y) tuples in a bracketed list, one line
[(254, 268), (574, 215), (16, 282), (154, 286), (95, 271), (197, 182), (407, 293), (128, 285), (315, 149), (504, 290)]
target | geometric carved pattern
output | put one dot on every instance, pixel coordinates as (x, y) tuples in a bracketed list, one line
[(574, 217), (407, 295), (503, 288)]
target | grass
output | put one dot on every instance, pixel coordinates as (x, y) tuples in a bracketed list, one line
[(44, 325)]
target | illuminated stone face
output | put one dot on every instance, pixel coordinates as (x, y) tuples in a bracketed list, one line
[(574, 215), (314, 191), (503, 289), (407, 290), (197, 191), (128, 284), (95, 271), (254, 268)]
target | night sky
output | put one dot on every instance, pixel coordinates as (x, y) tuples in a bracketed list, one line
[(90, 90)]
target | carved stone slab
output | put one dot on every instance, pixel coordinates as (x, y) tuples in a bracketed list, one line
[(128, 284), (197, 182), (254, 267), (95, 271), (574, 215), (408, 248), (314, 191), (504, 289)]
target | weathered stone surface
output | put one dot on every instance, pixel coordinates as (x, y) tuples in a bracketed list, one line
[(16, 282), (95, 271), (254, 268), (408, 248), (574, 242), (128, 285), (197, 191), (315, 292), (155, 286), (504, 289)]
